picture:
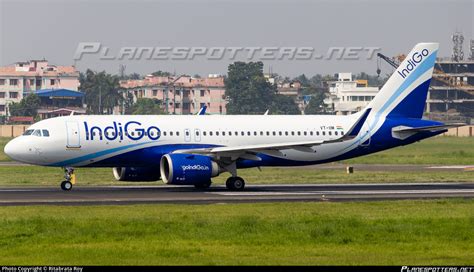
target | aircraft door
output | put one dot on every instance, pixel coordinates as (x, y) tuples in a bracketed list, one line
[(197, 135), (73, 135), (187, 135)]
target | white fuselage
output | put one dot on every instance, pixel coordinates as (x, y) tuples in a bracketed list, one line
[(88, 140)]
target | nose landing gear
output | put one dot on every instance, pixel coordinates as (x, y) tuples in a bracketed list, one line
[(70, 179)]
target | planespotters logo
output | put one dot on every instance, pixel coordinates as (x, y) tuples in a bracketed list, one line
[(195, 167)]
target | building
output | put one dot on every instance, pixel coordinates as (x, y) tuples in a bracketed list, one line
[(347, 96), (22, 78), (451, 93), (60, 102), (181, 94)]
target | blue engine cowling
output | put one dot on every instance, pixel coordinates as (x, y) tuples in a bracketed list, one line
[(136, 173), (187, 169)]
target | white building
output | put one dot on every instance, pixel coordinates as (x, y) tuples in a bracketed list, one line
[(347, 96)]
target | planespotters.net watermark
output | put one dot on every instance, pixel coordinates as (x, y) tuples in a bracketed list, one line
[(437, 269), (250, 53)]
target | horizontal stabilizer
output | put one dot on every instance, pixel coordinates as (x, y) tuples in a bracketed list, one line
[(403, 132)]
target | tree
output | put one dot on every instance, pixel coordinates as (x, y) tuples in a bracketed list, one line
[(247, 89), (316, 104), (147, 106), (28, 106), (102, 91), (372, 80), (161, 73), (303, 80), (282, 104)]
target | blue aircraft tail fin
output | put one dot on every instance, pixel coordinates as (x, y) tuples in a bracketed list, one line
[(404, 94)]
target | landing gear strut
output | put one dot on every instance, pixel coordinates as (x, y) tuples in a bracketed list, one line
[(70, 179), (235, 183)]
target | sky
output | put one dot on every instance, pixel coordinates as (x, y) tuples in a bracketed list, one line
[(53, 29)]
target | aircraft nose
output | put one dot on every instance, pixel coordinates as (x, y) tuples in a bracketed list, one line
[(9, 149), (15, 150)]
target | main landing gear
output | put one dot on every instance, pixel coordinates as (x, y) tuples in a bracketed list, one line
[(235, 183), (70, 179)]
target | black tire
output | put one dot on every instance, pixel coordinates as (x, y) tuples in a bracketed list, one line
[(235, 183), (205, 185), (66, 185), (230, 183)]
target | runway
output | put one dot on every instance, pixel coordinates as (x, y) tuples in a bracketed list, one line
[(121, 195)]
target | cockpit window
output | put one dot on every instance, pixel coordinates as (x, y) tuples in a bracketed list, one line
[(28, 132), (45, 133), (37, 132)]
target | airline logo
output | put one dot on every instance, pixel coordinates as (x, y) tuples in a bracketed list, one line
[(132, 130), (196, 167), (413, 61)]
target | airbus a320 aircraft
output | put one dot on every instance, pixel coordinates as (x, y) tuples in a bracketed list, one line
[(190, 150)]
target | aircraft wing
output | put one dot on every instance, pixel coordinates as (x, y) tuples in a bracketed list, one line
[(249, 151)]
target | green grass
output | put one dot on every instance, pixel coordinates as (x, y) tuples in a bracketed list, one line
[(36, 175), (3, 142), (438, 150), (435, 232)]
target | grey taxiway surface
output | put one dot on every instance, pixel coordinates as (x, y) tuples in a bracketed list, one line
[(219, 194)]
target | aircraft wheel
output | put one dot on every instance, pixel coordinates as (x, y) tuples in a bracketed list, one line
[(235, 183), (66, 185)]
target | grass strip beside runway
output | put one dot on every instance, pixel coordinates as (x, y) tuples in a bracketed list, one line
[(434, 232)]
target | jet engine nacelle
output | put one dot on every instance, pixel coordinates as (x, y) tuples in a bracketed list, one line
[(136, 173), (187, 169)]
